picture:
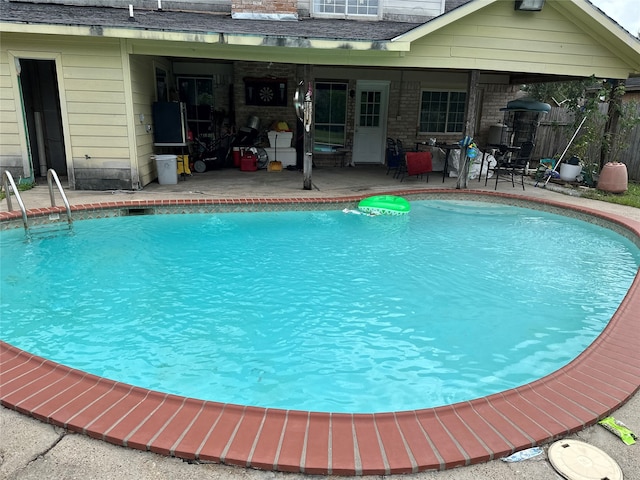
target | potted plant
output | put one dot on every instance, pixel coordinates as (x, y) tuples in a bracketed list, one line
[(570, 168)]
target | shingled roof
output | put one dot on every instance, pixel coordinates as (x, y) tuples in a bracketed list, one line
[(197, 22)]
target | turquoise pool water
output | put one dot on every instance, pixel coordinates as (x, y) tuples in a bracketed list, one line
[(321, 311)]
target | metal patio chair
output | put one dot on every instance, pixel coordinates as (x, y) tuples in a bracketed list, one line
[(510, 165), (393, 158)]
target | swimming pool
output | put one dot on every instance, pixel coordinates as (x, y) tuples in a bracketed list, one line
[(594, 384), (320, 311)]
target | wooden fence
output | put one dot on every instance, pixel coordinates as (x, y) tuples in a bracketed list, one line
[(556, 129)]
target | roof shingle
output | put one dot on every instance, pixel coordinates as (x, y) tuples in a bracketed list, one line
[(199, 22)]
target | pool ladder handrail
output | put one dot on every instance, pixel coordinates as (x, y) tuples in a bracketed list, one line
[(52, 176), (7, 179)]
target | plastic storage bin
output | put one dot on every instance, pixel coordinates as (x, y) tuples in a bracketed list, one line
[(280, 139), (285, 155), (167, 166)]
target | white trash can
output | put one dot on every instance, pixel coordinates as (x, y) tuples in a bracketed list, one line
[(167, 166)]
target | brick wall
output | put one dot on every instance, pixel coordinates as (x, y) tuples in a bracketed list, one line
[(404, 111), (267, 115), (272, 9), (495, 97), (404, 104)]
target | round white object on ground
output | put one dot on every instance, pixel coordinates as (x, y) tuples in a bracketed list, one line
[(576, 460)]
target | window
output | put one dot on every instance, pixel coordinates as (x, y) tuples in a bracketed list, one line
[(347, 7), (442, 112), (370, 109), (197, 94), (330, 115)]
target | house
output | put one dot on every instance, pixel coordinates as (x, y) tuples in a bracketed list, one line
[(79, 79), (632, 90)]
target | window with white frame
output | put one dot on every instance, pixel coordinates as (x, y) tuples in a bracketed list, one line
[(442, 112), (347, 7), (330, 115)]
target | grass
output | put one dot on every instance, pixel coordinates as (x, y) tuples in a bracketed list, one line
[(22, 186), (631, 197)]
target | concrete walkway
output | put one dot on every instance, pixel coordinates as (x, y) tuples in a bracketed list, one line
[(30, 449)]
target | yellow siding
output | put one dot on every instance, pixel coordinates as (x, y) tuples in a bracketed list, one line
[(91, 118), (94, 108), (91, 96), (497, 37), (102, 140), (91, 61), (10, 151), (88, 84), (92, 80), (107, 151), (93, 73)]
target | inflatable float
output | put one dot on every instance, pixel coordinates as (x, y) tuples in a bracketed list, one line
[(384, 205)]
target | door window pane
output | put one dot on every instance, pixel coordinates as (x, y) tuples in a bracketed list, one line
[(370, 109)]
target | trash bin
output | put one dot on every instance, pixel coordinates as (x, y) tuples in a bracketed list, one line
[(167, 166)]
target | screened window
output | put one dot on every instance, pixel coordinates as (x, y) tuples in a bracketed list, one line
[(330, 115), (347, 7), (442, 112)]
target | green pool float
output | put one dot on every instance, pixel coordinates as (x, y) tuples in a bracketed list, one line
[(384, 205)]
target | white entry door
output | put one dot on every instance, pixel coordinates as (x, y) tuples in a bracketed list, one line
[(369, 138)]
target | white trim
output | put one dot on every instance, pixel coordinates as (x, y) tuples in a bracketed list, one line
[(13, 57)]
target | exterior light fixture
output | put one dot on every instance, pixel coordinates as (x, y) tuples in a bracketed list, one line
[(529, 5)]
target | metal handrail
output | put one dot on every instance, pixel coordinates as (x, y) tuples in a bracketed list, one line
[(7, 179), (51, 177)]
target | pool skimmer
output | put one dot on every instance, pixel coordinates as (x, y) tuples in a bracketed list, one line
[(576, 460)]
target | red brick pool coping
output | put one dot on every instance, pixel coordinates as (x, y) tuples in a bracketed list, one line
[(596, 383)]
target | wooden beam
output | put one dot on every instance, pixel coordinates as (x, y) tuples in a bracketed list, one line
[(470, 125)]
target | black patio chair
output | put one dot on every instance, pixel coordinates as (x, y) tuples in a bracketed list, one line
[(510, 165), (401, 169), (393, 159)]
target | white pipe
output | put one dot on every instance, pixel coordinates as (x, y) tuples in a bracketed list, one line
[(42, 156)]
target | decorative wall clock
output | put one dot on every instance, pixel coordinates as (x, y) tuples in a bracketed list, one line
[(266, 91)]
